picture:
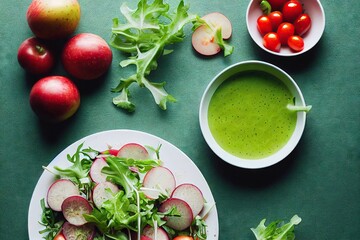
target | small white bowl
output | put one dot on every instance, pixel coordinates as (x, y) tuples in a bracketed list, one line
[(228, 73), (311, 7)]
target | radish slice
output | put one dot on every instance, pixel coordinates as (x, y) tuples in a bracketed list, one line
[(95, 171), (203, 38), (192, 195), (133, 150), (158, 180), (59, 191), (217, 20), (184, 220), (101, 194), (149, 234), (72, 232), (73, 209)]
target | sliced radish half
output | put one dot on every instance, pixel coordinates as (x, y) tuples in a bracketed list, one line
[(192, 195), (95, 171), (149, 233), (72, 232), (184, 220), (101, 192), (73, 209), (218, 20), (133, 150), (159, 180), (59, 191)]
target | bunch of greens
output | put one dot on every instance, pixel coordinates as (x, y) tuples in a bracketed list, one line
[(276, 230)]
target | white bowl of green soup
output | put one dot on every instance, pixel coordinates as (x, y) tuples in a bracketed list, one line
[(252, 114)]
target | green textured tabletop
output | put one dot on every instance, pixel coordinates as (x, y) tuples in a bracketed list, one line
[(319, 181)]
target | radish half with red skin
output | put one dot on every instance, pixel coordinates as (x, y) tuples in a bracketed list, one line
[(72, 232), (101, 194), (73, 209), (95, 170), (59, 191), (158, 180), (181, 222), (192, 195), (133, 150), (149, 233), (203, 38)]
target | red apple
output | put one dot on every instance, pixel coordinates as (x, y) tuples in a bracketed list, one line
[(54, 98), (53, 19), (35, 56), (86, 56)]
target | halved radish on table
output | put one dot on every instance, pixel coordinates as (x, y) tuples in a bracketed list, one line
[(72, 232), (101, 192), (73, 209), (95, 171), (133, 150), (181, 222), (159, 180), (192, 195), (59, 191), (203, 38), (149, 233)]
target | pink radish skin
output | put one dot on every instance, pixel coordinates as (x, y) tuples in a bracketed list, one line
[(217, 20), (59, 191), (159, 178), (73, 209), (192, 195), (72, 232), (95, 171), (101, 194), (203, 38), (149, 234), (133, 150), (186, 216)]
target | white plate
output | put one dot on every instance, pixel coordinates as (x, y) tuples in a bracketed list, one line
[(181, 165)]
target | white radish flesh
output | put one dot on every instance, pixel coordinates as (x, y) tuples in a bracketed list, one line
[(95, 171), (59, 191), (149, 233), (192, 195), (72, 232), (158, 180), (73, 209), (133, 150), (101, 192), (218, 20), (181, 222)]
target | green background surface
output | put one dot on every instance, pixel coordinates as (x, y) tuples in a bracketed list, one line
[(319, 181)]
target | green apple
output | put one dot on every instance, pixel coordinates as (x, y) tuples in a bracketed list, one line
[(53, 19)]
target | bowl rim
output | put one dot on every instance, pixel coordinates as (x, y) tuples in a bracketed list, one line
[(320, 30), (226, 74)]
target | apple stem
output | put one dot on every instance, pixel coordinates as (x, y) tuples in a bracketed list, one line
[(40, 49)]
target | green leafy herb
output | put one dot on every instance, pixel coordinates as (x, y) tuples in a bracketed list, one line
[(50, 219), (276, 230), (145, 34)]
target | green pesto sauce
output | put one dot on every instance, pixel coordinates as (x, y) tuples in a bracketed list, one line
[(248, 116)]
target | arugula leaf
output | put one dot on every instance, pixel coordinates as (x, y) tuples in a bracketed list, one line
[(51, 221), (144, 35), (276, 230)]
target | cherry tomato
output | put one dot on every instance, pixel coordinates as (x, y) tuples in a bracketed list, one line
[(285, 30), (292, 10), (271, 41), (296, 43), (183, 238), (302, 24), (60, 236), (35, 56), (264, 25), (276, 18), (277, 4)]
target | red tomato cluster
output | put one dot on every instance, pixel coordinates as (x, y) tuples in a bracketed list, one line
[(285, 25)]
